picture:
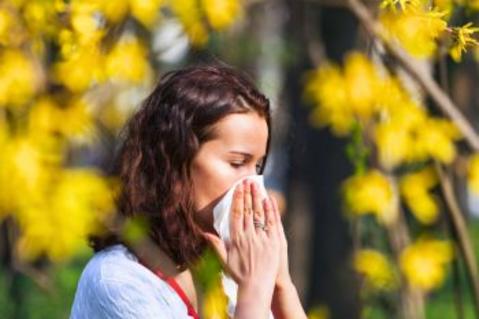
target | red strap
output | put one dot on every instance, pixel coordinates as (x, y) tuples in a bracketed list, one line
[(176, 287)]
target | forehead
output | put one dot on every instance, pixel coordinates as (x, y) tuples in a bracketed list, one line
[(246, 131)]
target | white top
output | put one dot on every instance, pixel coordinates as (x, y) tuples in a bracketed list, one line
[(114, 285)]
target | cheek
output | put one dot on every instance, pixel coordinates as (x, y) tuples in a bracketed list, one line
[(211, 181)]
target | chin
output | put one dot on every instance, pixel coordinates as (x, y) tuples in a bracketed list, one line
[(204, 217)]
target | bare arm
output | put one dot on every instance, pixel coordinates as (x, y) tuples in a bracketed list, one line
[(286, 303)]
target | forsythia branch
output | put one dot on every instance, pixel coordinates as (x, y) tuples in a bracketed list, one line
[(442, 100)]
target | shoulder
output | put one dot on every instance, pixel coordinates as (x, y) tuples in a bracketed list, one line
[(114, 284)]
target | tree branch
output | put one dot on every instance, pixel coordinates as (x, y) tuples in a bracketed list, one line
[(427, 83), (459, 224)]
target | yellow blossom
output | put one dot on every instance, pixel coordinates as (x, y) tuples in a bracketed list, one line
[(362, 84), (375, 268), (463, 38), (473, 173), (114, 11), (72, 71), (423, 263), (215, 302), (19, 78), (128, 62), (25, 169), (146, 11), (371, 193), (415, 188), (80, 202), (435, 137), (325, 87), (77, 121), (190, 15), (41, 17), (395, 136), (222, 13), (416, 28), (12, 33)]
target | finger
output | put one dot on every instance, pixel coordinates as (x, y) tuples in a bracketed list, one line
[(218, 246), (248, 207), (257, 206), (277, 215), (268, 215), (236, 222)]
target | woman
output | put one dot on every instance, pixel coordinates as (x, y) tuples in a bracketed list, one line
[(201, 130)]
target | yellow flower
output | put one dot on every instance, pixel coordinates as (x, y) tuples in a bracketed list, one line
[(145, 11), (222, 13), (415, 188), (473, 173), (19, 78), (362, 84), (435, 137), (72, 71), (190, 15), (424, 262), (371, 193), (463, 38), (376, 269), (215, 302), (416, 28), (114, 11), (25, 170), (81, 202), (128, 62), (444, 5), (394, 144), (12, 33), (41, 17), (395, 136), (326, 88), (77, 121)]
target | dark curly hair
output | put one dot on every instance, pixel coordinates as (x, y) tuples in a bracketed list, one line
[(159, 143)]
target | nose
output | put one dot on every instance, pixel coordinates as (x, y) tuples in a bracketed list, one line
[(251, 171)]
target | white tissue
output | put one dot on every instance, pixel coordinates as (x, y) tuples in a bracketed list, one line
[(221, 217), (221, 212)]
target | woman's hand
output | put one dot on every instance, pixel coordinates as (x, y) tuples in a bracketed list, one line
[(252, 256)]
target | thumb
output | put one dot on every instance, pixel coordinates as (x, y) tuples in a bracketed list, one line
[(217, 244)]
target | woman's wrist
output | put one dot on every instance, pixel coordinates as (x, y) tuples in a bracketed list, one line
[(283, 282), (253, 300)]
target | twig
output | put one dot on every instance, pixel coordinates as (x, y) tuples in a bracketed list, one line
[(424, 79), (459, 224), (456, 267), (411, 299)]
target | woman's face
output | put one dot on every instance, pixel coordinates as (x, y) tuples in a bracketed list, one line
[(236, 151)]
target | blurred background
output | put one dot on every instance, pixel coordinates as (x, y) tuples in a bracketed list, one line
[(377, 182)]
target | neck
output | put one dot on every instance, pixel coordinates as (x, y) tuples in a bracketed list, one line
[(155, 258)]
